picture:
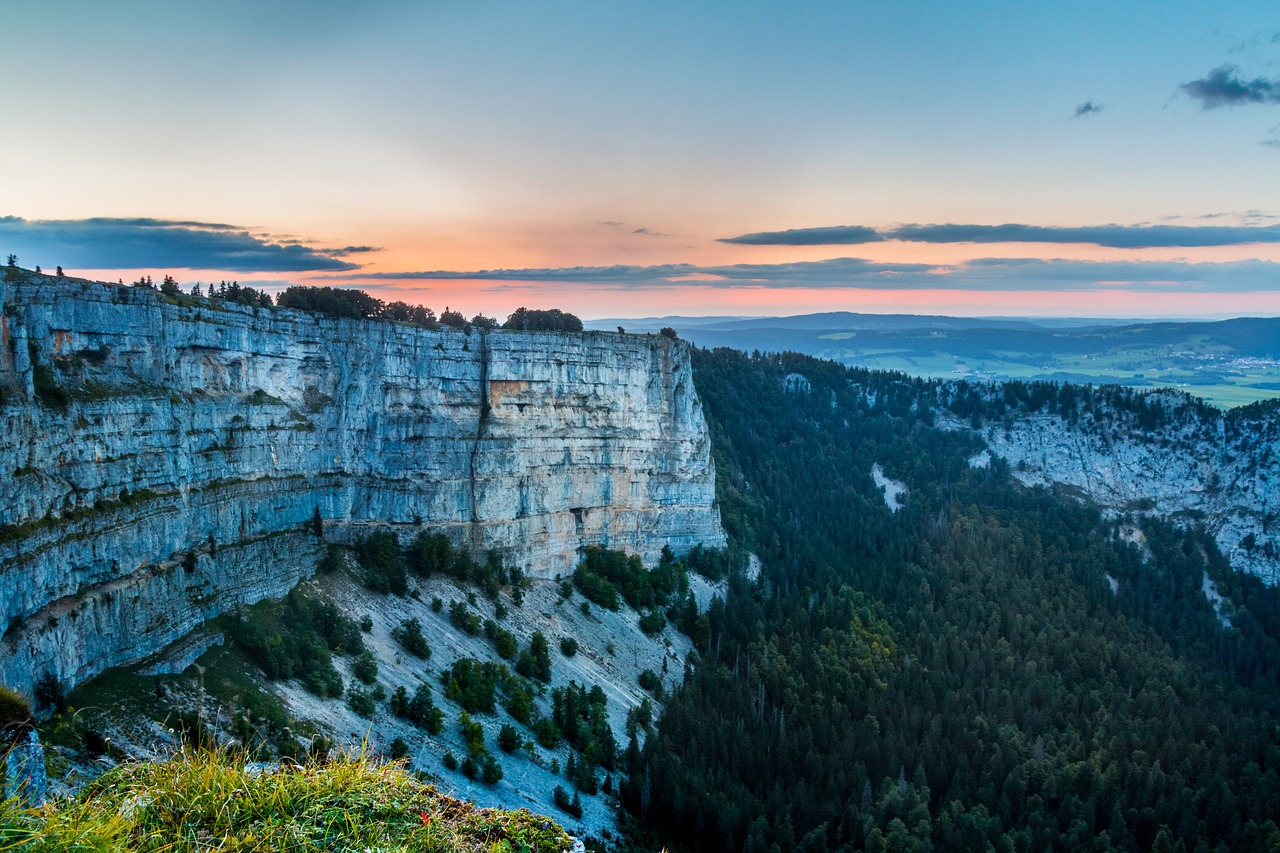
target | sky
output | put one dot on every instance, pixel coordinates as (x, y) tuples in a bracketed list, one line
[(643, 159)]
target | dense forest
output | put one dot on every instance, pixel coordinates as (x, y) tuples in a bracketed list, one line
[(989, 667)]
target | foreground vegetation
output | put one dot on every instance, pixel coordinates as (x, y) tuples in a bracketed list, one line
[(204, 800)]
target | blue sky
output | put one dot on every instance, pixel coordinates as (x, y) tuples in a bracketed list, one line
[(463, 137)]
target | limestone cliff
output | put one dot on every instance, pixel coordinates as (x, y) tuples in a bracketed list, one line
[(1179, 459), (162, 458)]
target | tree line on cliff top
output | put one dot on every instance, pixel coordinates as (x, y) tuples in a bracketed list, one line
[(358, 304)]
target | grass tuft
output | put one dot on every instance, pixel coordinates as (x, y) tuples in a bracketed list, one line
[(216, 800)]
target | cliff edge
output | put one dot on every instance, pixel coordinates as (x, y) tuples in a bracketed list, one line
[(165, 457)]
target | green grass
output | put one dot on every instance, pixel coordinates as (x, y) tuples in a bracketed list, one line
[(203, 801)]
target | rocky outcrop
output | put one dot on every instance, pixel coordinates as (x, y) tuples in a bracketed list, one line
[(1190, 463), (164, 457)]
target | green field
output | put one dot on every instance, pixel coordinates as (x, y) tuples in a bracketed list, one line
[(1228, 363)]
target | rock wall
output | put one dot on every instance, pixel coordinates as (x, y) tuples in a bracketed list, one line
[(163, 458), (1200, 466)]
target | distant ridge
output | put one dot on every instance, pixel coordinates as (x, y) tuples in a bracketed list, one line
[(1227, 362)]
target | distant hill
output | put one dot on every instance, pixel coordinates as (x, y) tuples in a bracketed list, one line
[(1227, 362)]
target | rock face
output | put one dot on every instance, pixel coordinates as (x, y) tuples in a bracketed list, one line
[(164, 459), (1190, 463)]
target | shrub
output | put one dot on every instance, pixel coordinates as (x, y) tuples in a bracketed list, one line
[(365, 667), (49, 693), (399, 749), (463, 619), (520, 705), (472, 734), (472, 684), (653, 622), (568, 647), (423, 713), (379, 553), (450, 760), (295, 637), (509, 739), (429, 553), (547, 733), (565, 804), (505, 644), (331, 560), (649, 680), (409, 635), (363, 702), (492, 770)]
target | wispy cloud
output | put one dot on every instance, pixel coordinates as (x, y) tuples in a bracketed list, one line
[(141, 243), (985, 274), (1088, 108), (1112, 236), (1224, 87)]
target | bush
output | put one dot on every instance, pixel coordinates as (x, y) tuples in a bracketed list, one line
[(463, 619), (379, 553), (509, 739), (450, 760), (429, 553), (568, 647), (472, 734), (331, 560), (547, 733), (519, 705), (565, 804), (50, 394), (653, 622), (365, 667), (541, 654), (472, 684), (49, 693), (409, 635), (399, 749), (363, 702), (505, 644), (492, 770), (649, 680)]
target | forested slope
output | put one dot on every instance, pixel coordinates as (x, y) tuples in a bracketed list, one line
[(959, 674)]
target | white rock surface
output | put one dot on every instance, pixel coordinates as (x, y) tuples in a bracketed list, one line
[(892, 490), (234, 425), (1197, 466)]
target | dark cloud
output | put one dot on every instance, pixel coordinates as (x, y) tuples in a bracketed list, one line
[(1223, 87), (839, 235), (139, 243), (987, 274), (645, 232), (612, 223), (1113, 236), (1274, 139), (1088, 108)]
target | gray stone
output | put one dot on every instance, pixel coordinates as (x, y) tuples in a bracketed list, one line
[(201, 437)]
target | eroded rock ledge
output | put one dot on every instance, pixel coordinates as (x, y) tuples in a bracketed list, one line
[(180, 472)]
